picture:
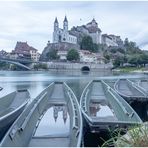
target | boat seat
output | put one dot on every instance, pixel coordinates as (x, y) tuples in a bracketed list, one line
[(57, 102), (104, 119), (98, 99)]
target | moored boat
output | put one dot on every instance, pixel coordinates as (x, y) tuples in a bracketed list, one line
[(11, 106), (103, 108), (33, 127), (143, 85), (129, 91)]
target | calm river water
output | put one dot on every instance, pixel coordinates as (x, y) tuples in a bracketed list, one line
[(36, 81)]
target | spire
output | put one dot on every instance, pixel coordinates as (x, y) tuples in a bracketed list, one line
[(56, 20), (65, 19)]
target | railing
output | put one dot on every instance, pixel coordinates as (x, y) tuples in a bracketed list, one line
[(77, 118)]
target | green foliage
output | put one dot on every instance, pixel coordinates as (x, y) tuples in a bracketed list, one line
[(52, 55), (119, 61), (4, 66), (115, 50), (131, 47), (87, 44), (106, 56), (40, 66), (73, 55), (136, 136), (138, 59)]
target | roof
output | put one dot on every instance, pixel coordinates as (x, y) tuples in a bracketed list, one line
[(65, 19), (22, 47), (56, 20), (93, 21), (93, 29)]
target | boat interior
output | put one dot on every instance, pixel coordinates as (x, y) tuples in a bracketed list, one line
[(52, 119), (124, 86), (102, 104), (12, 101)]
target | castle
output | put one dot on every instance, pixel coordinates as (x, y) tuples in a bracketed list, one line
[(63, 35), (75, 35)]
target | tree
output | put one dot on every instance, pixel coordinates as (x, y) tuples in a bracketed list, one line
[(87, 43), (134, 59), (106, 56), (119, 61), (73, 55), (52, 54)]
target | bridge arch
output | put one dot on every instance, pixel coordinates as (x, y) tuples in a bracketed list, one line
[(15, 63), (85, 68)]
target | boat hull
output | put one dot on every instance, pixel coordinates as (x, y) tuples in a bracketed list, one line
[(11, 106), (23, 131), (125, 115)]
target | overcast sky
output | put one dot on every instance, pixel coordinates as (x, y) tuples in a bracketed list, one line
[(32, 21)]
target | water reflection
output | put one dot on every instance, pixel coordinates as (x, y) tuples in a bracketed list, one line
[(60, 108), (101, 110), (55, 122)]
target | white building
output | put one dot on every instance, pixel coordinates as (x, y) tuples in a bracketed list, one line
[(62, 54), (34, 54), (94, 31), (62, 35), (89, 57), (108, 40)]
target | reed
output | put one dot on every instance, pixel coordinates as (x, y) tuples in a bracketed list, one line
[(136, 136)]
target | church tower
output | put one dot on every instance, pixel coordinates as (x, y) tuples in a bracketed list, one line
[(65, 24), (56, 24), (55, 32)]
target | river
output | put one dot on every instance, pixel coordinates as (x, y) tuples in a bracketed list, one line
[(36, 81)]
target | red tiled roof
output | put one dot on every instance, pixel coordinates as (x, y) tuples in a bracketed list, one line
[(23, 47)]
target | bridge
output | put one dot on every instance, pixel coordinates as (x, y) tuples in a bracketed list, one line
[(18, 62)]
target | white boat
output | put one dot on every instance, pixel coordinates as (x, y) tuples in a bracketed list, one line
[(33, 127), (129, 91), (103, 108), (11, 106)]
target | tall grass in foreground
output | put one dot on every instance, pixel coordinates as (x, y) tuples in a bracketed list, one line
[(135, 137)]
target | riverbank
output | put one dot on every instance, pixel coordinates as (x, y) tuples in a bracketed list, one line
[(131, 70)]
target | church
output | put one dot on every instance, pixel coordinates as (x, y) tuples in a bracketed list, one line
[(63, 35)]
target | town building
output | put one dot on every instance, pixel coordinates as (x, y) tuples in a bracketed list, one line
[(24, 51), (108, 40), (89, 57), (62, 55), (63, 35), (4, 54), (90, 29)]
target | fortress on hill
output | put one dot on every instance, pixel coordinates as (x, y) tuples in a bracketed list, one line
[(64, 38), (75, 35)]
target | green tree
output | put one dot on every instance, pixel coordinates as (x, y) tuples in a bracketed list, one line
[(40, 66), (87, 44), (134, 59), (52, 54), (119, 61), (73, 55), (107, 56)]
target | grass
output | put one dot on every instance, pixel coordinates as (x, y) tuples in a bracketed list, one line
[(130, 69), (135, 137)]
